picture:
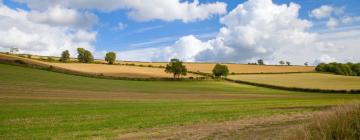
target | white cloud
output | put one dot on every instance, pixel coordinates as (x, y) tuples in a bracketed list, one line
[(324, 59), (332, 23), (59, 16), (324, 11), (16, 30), (261, 29), (141, 10), (120, 26)]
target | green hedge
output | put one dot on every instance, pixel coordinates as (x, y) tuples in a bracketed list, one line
[(348, 69)]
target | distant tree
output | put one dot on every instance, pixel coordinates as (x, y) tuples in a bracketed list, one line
[(306, 64), (14, 50), (84, 56), (65, 56), (260, 62), (220, 70), (176, 67), (282, 62), (110, 57), (288, 63)]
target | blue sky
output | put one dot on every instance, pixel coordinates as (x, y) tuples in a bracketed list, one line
[(116, 31)]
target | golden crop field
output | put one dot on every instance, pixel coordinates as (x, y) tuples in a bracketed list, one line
[(236, 68), (104, 69), (303, 80)]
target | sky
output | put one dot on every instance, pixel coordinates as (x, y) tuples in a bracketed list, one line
[(236, 31)]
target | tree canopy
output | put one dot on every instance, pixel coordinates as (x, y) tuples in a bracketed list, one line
[(65, 56), (110, 57), (220, 70), (84, 56), (176, 67)]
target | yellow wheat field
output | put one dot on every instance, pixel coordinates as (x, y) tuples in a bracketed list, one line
[(104, 69), (235, 68), (303, 80)]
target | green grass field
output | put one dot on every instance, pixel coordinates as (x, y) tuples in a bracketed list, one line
[(304, 80), (38, 104)]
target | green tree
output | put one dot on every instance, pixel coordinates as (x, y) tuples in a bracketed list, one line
[(306, 64), (220, 70), (260, 62), (282, 62), (84, 56), (65, 56), (110, 57), (288, 63), (176, 67)]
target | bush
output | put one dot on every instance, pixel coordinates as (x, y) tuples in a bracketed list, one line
[(347, 69)]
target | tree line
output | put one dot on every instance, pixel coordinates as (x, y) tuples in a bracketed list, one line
[(85, 56), (348, 69)]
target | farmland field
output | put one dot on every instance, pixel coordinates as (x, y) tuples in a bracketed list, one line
[(303, 80), (104, 69), (236, 68), (38, 104)]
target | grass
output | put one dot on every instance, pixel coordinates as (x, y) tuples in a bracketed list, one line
[(303, 80), (340, 123), (38, 104)]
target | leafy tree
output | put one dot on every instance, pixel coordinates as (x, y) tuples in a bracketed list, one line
[(65, 56), (220, 70), (261, 62), (288, 63), (84, 56), (281, 62), (176, 67), (110, 57), (306, 64)]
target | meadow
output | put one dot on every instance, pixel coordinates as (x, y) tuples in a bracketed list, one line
[(39, 104), (304, 80)]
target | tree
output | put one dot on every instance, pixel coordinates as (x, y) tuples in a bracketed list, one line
[(261, 62), (288, 63), (220, 70), (110, 57), (84, 56), (65, 56), (176, 67), (306, 64), (282, 62)]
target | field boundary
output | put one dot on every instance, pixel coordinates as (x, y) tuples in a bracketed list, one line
[(353, 91), (22, 63)]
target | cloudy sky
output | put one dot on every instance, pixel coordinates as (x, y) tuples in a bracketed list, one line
[(239, 31)]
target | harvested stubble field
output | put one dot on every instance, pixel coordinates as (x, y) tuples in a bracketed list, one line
[(103, 69), (236, 68), (39, 104), (303, 80)]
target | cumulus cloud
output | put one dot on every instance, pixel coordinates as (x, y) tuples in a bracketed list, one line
[(142, 10), (260, 29), (324, 11), (18, 30), (60, 16)]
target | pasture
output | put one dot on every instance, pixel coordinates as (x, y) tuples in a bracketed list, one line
[(38, 104), (303, 80)]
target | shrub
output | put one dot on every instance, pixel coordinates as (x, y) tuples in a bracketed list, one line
[(220, 70), (110, 57), (347, 69)]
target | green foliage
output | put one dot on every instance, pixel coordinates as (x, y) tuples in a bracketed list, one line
[(306, 64), (176, 67), (220, 70), (348, 69), (110, 57), (282, 62), (84, 56), (261, 62), (65, 56), (288, 63)]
